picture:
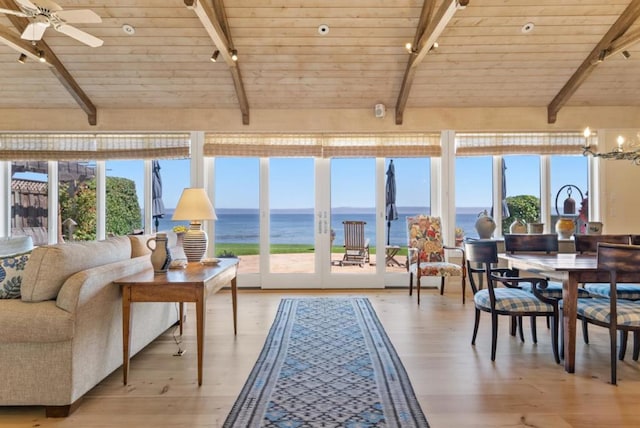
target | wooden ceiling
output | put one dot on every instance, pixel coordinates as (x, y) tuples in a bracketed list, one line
[(483, 59)]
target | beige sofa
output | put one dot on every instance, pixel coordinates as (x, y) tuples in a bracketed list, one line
[(64, 335)]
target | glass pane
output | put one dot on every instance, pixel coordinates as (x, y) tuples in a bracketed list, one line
[(29, 196), (474, 194), (125, 197), (413, 184), (353, 199), (77, 198), (237, 187), (569, 179), (291, 218), (522, 177), (175, 174)]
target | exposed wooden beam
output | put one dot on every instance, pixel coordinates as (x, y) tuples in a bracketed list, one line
[(597, 55), (56, 67), (216, 26), (624, 42), (426, 35)]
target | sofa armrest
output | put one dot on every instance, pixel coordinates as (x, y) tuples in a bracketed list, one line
[(83, 286)]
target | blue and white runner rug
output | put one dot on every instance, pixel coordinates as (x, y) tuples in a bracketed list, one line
[(327, 362)]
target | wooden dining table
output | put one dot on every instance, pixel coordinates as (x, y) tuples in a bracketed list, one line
[(571, 269)]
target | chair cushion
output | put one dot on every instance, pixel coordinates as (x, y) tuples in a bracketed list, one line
[(599, 309), (554, 291), (623, 291), (440, 269), (511, 300)]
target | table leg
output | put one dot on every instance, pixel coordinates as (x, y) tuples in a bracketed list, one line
[(570, 303), (126, 330), (234, 303), (181, 317), (200, 318)]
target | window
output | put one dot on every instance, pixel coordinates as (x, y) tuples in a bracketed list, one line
[(474, 192)]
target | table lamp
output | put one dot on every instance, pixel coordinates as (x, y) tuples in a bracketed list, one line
[(194, 205)]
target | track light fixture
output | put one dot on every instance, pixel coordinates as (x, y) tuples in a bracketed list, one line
[(214, 57), (234, 54), (41, 56), (22, 58), (626, 54)]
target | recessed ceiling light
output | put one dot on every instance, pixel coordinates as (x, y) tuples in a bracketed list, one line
[(128, 29), (528, 27), (323, 30)]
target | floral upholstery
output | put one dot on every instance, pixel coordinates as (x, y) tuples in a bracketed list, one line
[(425, 247), (426, 257)]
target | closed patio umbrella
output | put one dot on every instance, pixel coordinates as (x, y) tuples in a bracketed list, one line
[(157, 206), (390, 198)]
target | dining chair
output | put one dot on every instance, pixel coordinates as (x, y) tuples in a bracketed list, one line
[(546, 243), (613, 313), (509, 299), (588, 244), (426, 254)]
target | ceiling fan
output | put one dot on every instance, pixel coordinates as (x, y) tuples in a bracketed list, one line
[(45, 13)]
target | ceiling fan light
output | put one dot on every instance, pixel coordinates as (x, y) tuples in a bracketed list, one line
[(41, 56), (234, 54), (22, 58)]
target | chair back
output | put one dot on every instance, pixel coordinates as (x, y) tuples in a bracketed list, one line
[(354, 235), (589, 243), (481, 254), (618, 258), (544, 242), (425, 235), (635, 239)]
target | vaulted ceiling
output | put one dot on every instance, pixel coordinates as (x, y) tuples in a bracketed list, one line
[(491, 53)]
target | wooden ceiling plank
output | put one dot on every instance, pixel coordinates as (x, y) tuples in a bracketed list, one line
[(56, 67), (216, 29), (425, 41), (597, 55)]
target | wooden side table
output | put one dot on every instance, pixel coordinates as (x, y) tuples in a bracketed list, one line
[(191, 284)]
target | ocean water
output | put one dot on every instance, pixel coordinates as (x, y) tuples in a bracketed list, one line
[(298, 228)]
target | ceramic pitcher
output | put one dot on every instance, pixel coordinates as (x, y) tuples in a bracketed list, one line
[(160, 255)]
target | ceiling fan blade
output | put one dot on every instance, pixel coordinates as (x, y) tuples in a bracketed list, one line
[(26, 4), (14, 12), (80, 35), (79, 16), (34, 31)]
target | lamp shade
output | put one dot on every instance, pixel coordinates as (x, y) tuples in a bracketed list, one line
[(194, 204)]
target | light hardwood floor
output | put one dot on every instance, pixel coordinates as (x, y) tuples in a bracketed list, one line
[(457, 384)]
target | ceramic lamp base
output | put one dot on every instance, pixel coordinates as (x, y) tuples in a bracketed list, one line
[(194, 243)]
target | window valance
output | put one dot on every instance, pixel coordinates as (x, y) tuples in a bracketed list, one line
[(541, 143), (322, 145), (18, 147)]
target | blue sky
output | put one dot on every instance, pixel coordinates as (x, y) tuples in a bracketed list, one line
[(352, 180)]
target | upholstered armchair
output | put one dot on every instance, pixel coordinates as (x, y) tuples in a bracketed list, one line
[(426, 253)]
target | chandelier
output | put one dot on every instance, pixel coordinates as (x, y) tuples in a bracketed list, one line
[(618, 153)]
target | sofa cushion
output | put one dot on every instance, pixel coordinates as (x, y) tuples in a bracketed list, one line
[(139, 245), (41, 322), (11, 272), (51, 265)]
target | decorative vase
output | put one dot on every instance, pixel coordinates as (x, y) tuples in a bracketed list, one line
[(565, 227), (160, 255), (535, 228), (485, 225), (518, 226), (594, 228)]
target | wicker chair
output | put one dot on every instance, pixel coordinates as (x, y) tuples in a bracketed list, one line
[(426, 254)]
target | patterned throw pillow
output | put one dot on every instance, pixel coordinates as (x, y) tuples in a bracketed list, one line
[(11, 269)]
